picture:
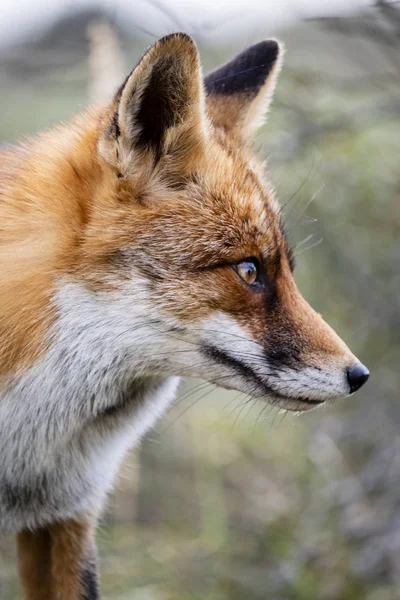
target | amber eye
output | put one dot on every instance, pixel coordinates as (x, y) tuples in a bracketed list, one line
[(247, 270)]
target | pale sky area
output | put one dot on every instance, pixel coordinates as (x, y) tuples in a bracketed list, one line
[(21, 19)]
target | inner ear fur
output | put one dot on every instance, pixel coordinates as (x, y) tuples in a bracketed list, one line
[(240, 92), (159, 108)]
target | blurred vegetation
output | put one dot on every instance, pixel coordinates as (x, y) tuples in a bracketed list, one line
[(228, 500)]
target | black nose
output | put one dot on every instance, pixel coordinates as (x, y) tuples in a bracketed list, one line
[(357, 375)]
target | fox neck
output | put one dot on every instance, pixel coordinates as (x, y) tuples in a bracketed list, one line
[(95, 367), (88, 398), (46, 191)]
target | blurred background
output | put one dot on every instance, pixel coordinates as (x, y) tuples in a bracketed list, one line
[(227, 500)]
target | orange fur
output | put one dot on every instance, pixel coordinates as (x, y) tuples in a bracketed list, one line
[(72, 545), (43, 207), (34, 559), (52, 560)]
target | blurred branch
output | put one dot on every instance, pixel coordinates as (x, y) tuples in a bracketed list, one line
[(380, 26), (106, 62)]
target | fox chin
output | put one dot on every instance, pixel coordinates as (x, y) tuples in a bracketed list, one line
[(141, 243)]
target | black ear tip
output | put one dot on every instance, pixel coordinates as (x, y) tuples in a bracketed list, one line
[(268, 48), (264, 54), (245, 73)]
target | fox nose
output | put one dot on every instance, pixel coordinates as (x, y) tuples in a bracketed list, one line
[(357, 375)]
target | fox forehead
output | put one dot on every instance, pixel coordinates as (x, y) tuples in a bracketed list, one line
[(223, 211)]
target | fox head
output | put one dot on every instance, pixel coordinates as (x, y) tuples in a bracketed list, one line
[(191, 235), (181, 247)]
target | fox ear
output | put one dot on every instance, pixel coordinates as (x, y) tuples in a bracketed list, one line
[(240, 92), (159, 106)]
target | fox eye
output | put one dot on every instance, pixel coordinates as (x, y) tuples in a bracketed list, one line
[(248, 270)]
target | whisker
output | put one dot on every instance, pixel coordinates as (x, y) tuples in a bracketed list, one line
[(192, 390), (213, 386), (304, 241), (311, 200), (233, 399), (284, 413), (189, 392), (309, 219), (295, 193), (317, 243), (275, 417), (243, 406), (240, 404), (264, 409)]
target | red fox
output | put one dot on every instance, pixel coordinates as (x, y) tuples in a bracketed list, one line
[(140, 243)]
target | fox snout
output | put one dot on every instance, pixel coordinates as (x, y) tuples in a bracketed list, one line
[(290, 367), (312, 362), (281, 350), (322, 348)]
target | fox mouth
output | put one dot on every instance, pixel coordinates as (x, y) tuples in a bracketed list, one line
[(269, 394), (293, 404)]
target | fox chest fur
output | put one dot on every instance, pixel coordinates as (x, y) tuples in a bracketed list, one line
[(66, 422)]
